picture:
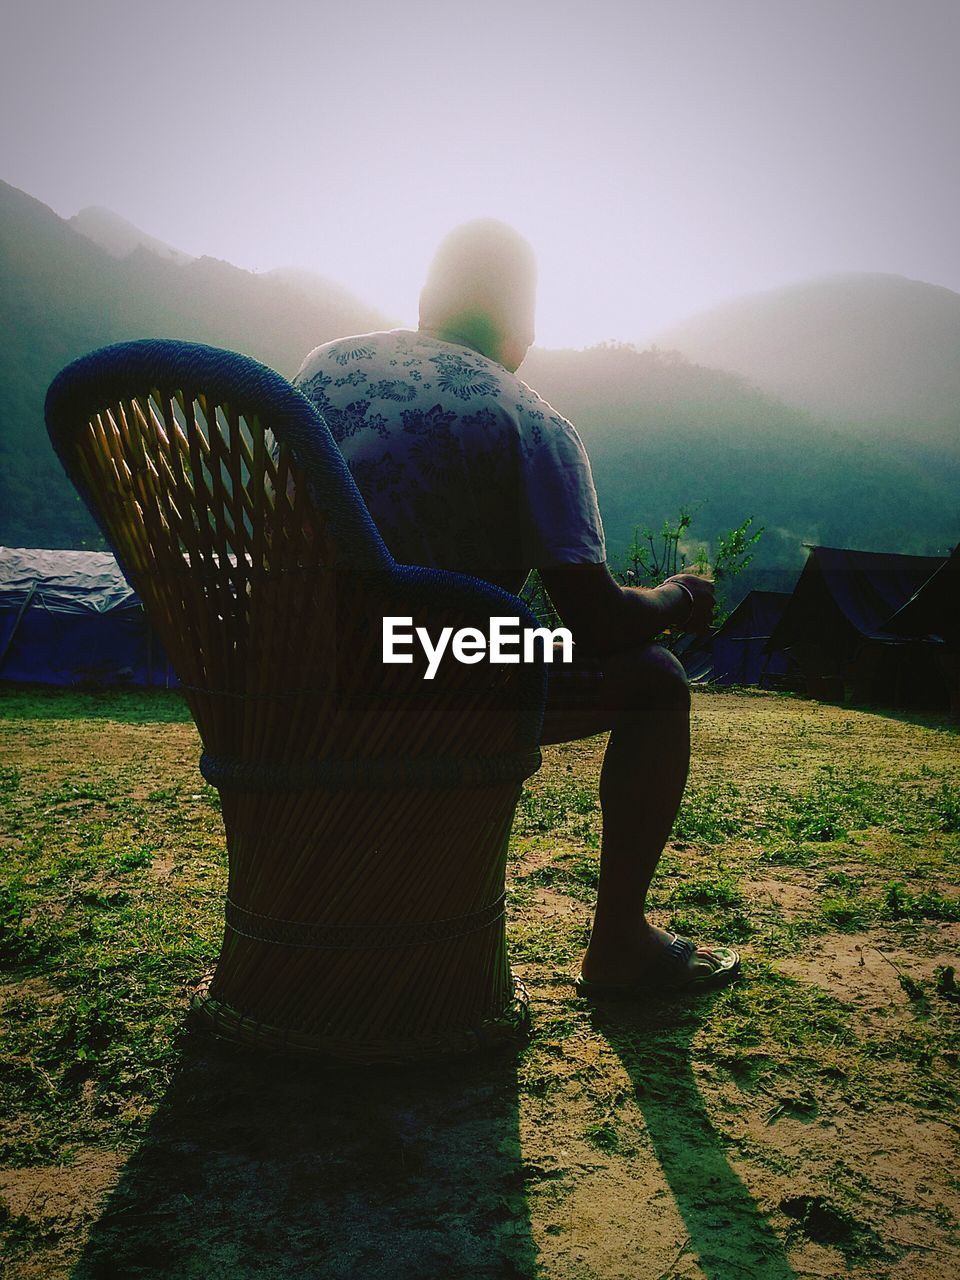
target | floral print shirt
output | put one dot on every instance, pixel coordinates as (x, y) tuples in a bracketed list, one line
[(461, 464)]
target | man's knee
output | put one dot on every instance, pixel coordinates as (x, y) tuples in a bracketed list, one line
[(668, 678), (652, 676)]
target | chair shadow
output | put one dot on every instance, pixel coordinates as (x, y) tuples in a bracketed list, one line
[(268, 1167), (726, 1229)]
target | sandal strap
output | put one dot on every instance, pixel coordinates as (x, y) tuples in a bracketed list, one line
[(678, 954)]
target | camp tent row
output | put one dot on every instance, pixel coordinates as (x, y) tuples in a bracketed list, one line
[(870, 626), (71, 618)]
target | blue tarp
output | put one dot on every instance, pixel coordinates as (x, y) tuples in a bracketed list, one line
[(71, 618)]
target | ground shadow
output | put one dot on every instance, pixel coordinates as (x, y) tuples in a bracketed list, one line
[(923, 718), (270, 1168), (727, 1232)]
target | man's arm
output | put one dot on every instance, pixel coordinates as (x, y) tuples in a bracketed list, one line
[(607, 618)]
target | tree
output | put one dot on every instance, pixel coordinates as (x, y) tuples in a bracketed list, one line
[(652, 558), (734, 554)]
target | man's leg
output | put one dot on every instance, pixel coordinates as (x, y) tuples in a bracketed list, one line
[(644, 700)]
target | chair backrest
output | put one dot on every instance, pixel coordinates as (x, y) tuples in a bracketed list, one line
[(235, 517)]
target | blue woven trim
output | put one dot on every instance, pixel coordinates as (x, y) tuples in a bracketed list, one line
[(364, 937), (372, 773), (127, 369)]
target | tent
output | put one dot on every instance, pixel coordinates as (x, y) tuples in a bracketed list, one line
[(740, 654), (836, 626), (70, 618), (931, 617), (933, 612), (736, 652)]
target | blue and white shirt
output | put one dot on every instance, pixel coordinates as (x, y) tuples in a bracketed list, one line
[(461, 464)]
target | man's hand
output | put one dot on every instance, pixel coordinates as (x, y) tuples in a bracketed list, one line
[(699, 616), (607, 618)]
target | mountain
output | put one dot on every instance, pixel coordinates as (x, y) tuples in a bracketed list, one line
[(319, 290), (878, 349), (662, 432), (119, 237), (63, 295)]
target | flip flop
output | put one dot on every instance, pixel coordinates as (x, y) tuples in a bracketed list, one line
[(675, 970)]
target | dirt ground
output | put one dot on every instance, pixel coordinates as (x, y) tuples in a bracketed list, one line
[(805, 1125)]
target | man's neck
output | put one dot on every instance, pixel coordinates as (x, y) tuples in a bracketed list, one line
[(461, 339)]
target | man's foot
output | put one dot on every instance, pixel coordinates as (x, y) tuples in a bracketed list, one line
[(660, 961)]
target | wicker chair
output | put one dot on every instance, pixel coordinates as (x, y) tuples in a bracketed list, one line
[(367, 810)]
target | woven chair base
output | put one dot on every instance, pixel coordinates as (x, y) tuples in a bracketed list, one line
[(509, 1030)]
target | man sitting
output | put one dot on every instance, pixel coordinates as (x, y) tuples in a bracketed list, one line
[(464, 467)]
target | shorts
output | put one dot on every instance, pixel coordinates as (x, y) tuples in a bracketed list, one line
[(575, 700)]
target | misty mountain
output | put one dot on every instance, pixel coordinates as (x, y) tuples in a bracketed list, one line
[(63, 295), (662, 432), (321, 292), (877, 349), (119, 237)]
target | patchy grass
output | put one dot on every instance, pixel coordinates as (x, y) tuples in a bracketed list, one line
[(801, 1123)]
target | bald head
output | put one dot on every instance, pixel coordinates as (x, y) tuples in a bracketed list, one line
[(481, 291)]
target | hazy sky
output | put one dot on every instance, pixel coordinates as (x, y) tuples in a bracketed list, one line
[(661, 155)]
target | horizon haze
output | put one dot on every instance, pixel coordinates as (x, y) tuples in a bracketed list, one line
[(663, 159)]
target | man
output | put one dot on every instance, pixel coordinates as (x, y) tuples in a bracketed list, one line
[(464, 467)]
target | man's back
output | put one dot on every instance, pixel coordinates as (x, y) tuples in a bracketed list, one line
[(462, 465)]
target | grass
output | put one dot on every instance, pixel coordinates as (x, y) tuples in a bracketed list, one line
[(86, 923), (801, 827)]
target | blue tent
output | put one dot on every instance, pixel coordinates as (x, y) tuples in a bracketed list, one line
[(740, 653), (933, 612), (837, 626), (931, 619), (736, 653), (70, 618)]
